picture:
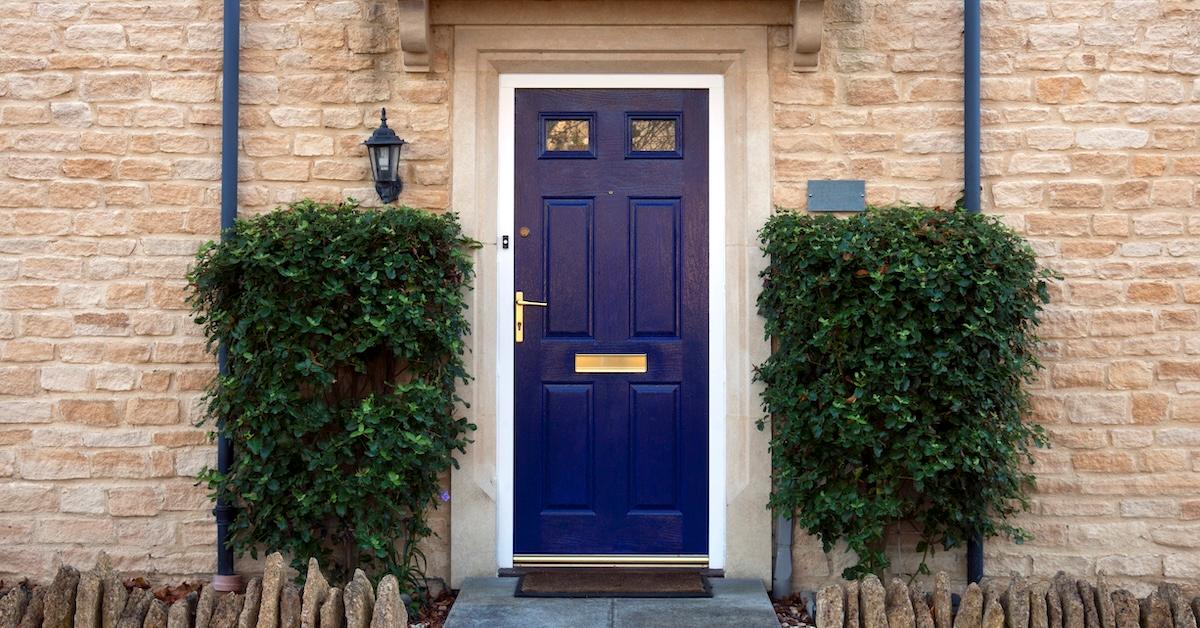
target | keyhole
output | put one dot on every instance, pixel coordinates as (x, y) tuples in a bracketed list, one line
[(524, 231)]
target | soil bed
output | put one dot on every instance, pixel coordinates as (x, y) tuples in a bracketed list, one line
[(433, 615), (792, 613)]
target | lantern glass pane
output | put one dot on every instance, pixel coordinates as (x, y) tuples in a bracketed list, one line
[(393, 163), (373, 153)]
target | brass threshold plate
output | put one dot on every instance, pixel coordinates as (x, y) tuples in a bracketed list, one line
[(610, 362), (610, 560)]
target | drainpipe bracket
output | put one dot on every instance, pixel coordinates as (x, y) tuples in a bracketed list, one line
[(228, 584)]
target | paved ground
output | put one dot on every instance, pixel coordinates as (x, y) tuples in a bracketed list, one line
[(490, 602)]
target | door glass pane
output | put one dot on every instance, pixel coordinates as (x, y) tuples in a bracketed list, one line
[(652, 136), (567, 135)]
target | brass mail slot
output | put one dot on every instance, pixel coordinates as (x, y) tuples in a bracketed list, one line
[(610, 362)]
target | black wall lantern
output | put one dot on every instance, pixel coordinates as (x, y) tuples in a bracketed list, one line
[(383, 148)]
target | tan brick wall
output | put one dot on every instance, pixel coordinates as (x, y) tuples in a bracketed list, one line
[(109, 167), (109, 180), (1091, 112)]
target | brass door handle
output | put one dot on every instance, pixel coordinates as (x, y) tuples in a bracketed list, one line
[(519, 304)]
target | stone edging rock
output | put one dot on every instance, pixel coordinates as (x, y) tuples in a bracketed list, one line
[(1064, 602)]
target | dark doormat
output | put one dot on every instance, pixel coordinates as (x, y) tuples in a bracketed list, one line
[(612, 583)]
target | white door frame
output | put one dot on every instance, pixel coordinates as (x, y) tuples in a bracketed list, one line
[(505, 384)]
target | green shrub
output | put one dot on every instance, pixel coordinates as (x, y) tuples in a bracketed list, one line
[(344, 333), (904, 335)]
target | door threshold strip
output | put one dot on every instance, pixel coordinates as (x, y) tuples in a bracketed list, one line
[(611, 560)]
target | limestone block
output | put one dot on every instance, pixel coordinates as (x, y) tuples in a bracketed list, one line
[(359, 600), (1128, 613), (1072, 604), (316, 589), (333, 612), (180, 613), (1037, 606), (60, 599), (272, 585), (1091, 614), (1156, 612), (993, 614), (115, 597), (136, 608), (205, 605), (1016, 603), (156, 615), (12, 606), (390, 611), (970, 610), (289, 607), (922, 616), (853, 614), (830, 607), (250, 605), (942, 610), (34, 611), (1104, 604), (898, 606), (88, 599), (1181, 610), (227, 611)]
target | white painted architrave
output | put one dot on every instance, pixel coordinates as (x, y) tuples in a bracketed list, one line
[(715, 84)]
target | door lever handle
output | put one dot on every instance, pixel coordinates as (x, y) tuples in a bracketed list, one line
[(519, 314), (521, 301)]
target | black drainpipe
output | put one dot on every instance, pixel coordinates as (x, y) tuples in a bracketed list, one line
[(971, 107), (972, 121), (226, 579)]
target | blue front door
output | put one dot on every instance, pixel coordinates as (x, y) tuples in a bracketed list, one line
[(611, 406)]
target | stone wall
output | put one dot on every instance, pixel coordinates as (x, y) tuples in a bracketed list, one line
[(109, 166), (1090, 150), (109, 180)]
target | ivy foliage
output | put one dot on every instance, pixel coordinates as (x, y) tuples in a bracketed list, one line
[(344, 337), (904, 335)]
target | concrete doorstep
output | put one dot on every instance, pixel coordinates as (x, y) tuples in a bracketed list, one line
[(490, 602)]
